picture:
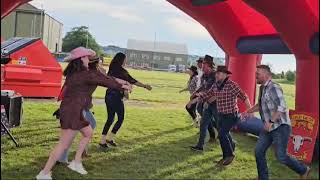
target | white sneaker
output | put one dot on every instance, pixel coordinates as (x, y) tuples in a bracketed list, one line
[(77, 167), (42, 176)]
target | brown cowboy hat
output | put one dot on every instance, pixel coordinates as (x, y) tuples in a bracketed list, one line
[(223, 69)]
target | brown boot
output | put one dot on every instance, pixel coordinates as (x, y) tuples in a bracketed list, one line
[(212, 140), (228, 160), (220, 162)]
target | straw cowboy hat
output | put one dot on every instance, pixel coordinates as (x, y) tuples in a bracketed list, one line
[(78, 53)]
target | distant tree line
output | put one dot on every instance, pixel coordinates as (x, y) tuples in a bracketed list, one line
[(289, 75)]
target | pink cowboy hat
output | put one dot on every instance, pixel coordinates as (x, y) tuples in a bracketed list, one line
[(78, 53)]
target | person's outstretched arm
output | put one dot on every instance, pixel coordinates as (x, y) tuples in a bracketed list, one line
[(97, 78), (103, 71), (131, 80), (146, 86), (182, 90)]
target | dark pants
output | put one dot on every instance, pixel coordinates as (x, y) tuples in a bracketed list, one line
[(279, 137), (208, 121), (192, 110), (225, 123), (114, 105), (200, 107)]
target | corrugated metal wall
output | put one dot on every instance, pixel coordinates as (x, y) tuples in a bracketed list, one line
[(27, 24), (27, 21), (52, 33), (8, 26)]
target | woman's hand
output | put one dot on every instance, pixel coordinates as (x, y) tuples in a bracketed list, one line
[(267, 126), (194, 95), (127, 87), (126, 94), (148, 87)]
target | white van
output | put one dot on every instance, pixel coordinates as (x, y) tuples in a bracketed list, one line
[(182, 68), (172, 68)]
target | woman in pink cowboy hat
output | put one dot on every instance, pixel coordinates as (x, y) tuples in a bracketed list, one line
[(77, 97)]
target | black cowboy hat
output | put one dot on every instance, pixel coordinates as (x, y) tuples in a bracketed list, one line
[(193, 69), (200, 60), (223, 69), (209, 60)]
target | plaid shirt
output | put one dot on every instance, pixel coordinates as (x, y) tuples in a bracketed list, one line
[(192, 84), (226, 98), (272, 100)]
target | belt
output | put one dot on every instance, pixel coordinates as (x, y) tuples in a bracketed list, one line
[(235, 114)]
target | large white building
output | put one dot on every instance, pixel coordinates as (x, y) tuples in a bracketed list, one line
[(156, 55)]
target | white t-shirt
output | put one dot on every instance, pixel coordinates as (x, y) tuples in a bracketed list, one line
[(200, 73)]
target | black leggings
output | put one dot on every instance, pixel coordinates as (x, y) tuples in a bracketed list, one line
[(114, 105), (192, 110)]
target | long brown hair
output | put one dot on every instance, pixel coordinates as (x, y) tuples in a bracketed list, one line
[(74, 66)]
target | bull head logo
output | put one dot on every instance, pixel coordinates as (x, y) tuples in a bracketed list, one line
[(298, 141)]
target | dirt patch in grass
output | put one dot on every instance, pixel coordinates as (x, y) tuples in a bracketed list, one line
[(131, 103)]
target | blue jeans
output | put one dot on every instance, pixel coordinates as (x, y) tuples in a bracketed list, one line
[(208, 122), (225, 123), (92, 121), (279, 137)]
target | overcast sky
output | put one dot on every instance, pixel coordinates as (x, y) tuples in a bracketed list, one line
[(113, 22)]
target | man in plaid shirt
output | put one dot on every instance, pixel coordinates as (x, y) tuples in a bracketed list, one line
[(208, 113), (226, 92), (277, 127)]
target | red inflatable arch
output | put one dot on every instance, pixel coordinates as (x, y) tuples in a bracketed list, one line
[(290, 25)]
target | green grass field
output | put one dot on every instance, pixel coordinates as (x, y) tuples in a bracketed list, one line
[(153, 141)]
